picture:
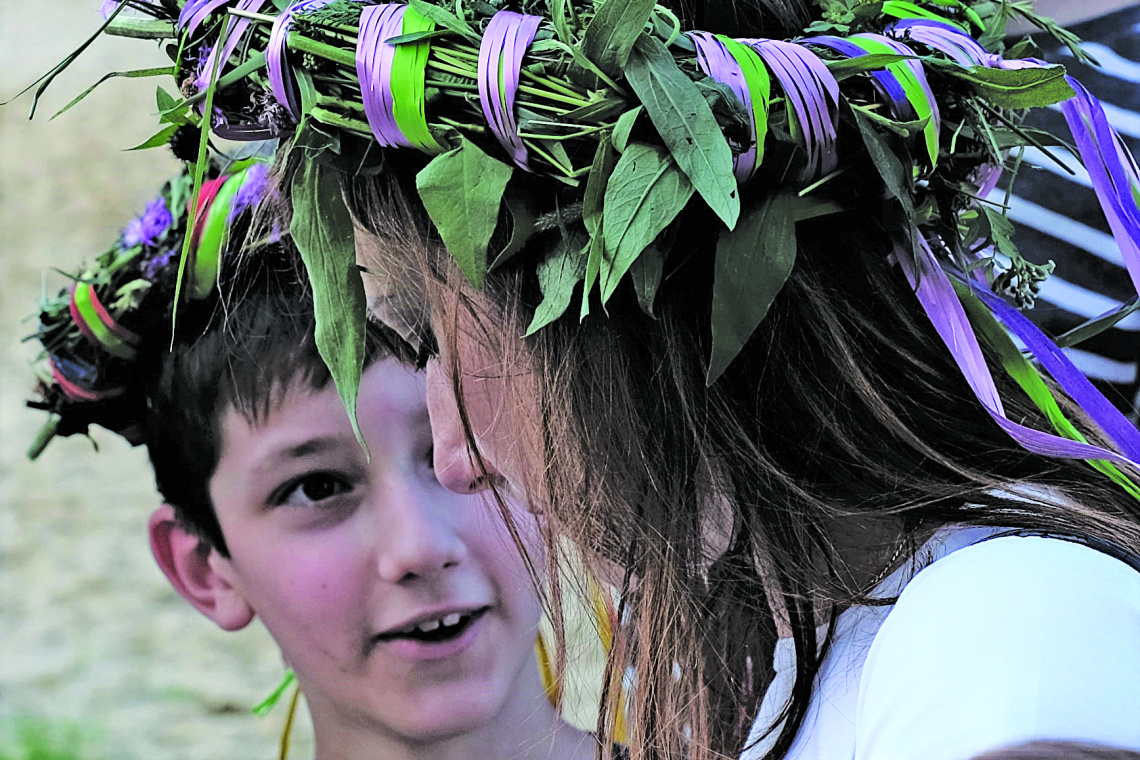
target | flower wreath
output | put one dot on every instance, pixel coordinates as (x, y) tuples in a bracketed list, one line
[(120, 307), (630, 119)]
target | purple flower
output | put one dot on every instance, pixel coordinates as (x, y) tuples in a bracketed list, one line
[(147, 228), (154, 267), (251, 190)]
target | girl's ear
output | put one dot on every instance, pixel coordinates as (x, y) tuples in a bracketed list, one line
[(197, 571)]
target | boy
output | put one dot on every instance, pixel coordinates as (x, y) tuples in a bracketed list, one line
[(405, 610)]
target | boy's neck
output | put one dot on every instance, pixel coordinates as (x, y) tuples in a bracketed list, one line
[(528, 728)]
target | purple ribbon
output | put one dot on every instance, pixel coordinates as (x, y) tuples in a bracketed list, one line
[(813, 97), (718, 63), (276, 60), (943, 37), (1072, 380), (379, 23), (885, 81), (946, 314), (234, 38), (501, 51), (1111, 168), (195, 12)]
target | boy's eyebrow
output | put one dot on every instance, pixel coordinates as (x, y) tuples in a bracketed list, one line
[(302, 449)]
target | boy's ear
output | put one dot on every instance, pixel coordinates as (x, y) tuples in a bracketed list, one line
[(197, 572)]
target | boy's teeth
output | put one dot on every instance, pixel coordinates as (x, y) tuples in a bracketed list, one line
[(452, 619), (429, 625)]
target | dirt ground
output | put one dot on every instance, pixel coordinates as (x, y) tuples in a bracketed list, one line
[(90, 634)]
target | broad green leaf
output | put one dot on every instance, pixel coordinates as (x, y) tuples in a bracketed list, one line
[(599, 176), (613, 31), (461, 191), (752, 264), (135, 74), (646, 276), (592, 208), (896, 174), (321, 229), (160, 138), (522, 227), (624, 127), (686, 125), (558, 275), (645, 193), (1017, 88)]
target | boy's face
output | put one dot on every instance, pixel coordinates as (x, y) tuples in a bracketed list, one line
[(405, 609)]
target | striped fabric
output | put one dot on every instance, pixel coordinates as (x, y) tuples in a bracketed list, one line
[(1058, 216)]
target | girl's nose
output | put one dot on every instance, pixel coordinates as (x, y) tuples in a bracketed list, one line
[(456, 467)]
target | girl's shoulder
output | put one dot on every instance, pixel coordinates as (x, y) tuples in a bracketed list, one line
[(1012, 636)]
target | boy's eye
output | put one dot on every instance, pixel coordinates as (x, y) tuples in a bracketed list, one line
[(309, 490)]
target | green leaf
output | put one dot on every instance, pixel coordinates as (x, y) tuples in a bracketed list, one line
[(592, 207), (624, 127), (157, 140), (445, 18), (45, 81), (135, 74), (522, 226), (558, 275), (848, 67), (686, 125), (1017, 88), (752, 264), (896, 174), (1096, 326), (1001, 231), (461, 191), (613, 31), (321, 229), (646, 276), (645, 193)]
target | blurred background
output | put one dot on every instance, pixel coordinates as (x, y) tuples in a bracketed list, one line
[(99, 658)]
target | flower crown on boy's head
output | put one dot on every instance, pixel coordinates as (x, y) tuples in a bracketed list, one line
[(122, 305), (906, 111)]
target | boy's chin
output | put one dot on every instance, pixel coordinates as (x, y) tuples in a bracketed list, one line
[(449, 712)]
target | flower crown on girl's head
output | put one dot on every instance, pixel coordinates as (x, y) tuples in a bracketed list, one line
[(122, 305), (909, 111)]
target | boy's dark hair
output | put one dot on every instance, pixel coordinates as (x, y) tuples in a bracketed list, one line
[(241, 349)]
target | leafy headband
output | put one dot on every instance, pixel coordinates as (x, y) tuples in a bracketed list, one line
[(120, 306), (637, 119)]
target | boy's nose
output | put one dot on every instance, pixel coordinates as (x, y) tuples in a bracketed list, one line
[(419, 537), (455, 467)]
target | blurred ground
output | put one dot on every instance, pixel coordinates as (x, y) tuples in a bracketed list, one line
[(90, 633)]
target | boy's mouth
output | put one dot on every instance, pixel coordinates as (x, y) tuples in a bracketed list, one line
[(435, 630)]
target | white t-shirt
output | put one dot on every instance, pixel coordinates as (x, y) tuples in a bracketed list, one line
[(993, 643)]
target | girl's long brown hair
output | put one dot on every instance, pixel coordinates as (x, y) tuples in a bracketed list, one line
[(722, 507)]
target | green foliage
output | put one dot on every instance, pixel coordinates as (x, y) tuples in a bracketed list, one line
[(686, 125), (645, 193), (558, 274), (322, 230), (1016, 88), (609, 38), (462, 190), (896, 175), (752, 264)]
